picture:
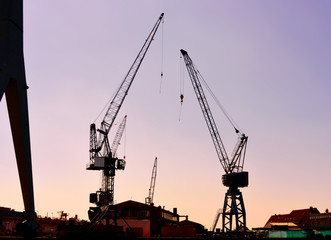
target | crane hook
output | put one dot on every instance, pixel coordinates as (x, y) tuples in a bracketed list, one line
[(181, 98)]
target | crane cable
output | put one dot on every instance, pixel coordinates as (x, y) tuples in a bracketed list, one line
[(181, 84), (124, 145), (232, 122), (162, 29)]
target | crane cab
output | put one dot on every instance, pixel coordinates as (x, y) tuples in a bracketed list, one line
[(235, 180), (106, 163)]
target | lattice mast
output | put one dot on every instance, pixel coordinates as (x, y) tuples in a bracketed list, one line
[(109, 181), (234, 176)]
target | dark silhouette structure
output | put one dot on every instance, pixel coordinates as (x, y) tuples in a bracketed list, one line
[(102, 155), (234, 213), (13, 85)]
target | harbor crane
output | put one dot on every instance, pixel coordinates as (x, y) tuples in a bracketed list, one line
[(234, 177), (149, 199), (101, 156)]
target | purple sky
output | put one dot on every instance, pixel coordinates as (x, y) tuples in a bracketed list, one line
[(268, 62)]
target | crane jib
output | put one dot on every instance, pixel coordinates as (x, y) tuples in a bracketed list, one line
[(237, 160), (116, 103), (120, 95)]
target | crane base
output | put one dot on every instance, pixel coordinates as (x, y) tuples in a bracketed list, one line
[(234, 211)]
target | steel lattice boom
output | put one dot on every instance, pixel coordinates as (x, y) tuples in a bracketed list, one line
[(102, 142), (193, 72)]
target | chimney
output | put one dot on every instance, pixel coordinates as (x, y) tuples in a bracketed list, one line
[(175, 211)]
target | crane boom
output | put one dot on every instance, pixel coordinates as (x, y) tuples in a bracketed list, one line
[(194, 76), (117, 101), (149, 199), (237, 160)]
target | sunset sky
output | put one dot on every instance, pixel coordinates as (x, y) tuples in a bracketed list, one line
[(268, 62)]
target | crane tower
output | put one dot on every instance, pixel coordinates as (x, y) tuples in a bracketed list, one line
[(234, 177)]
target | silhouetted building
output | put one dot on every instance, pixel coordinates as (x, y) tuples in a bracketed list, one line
[(13, 225), (320, 221), (199, 229), (302, 219), (151, 221)]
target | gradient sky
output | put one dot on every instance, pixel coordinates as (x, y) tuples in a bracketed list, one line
[(268, 62)]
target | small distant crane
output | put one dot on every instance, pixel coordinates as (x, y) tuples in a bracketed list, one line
[(218, 213), (101, 156), (234, 177), (149, 199), (63, 215)]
